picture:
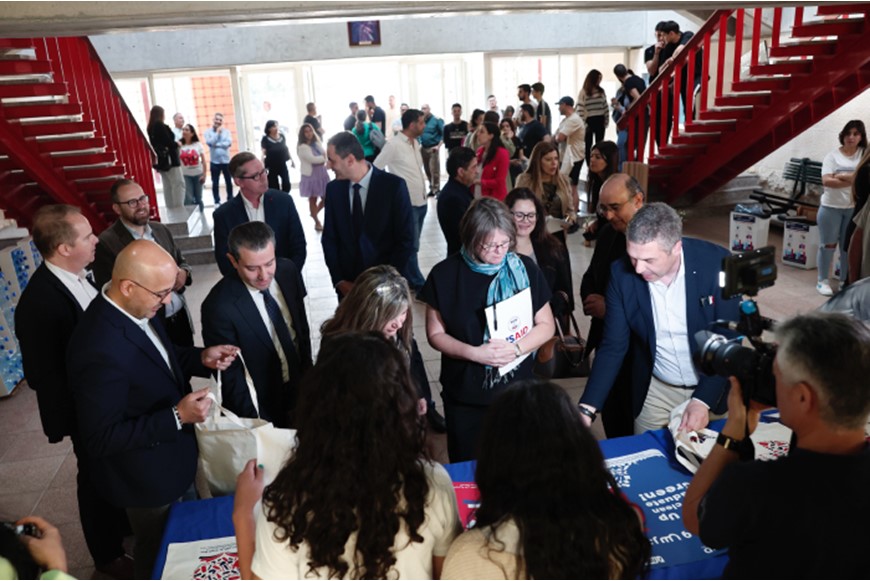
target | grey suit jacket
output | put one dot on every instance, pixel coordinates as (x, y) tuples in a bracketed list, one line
[(116, 237)]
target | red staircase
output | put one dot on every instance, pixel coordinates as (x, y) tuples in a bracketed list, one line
[(813, 68), (65, 132)]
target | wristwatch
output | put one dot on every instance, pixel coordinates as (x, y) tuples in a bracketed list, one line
[(587, 412), (744, 448), (518, 350)]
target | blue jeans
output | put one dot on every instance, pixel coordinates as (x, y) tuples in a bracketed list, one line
[(622, 146), (415, 277), (193, 191), (833, 223), (216, 170)]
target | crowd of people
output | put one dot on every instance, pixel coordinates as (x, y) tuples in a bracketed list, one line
[(111, 355)]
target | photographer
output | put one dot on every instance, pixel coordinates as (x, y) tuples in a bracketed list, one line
[(803, 515), (24, 555)]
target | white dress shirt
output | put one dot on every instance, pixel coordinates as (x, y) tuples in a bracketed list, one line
[(145, 325), (82, 290), (363, 190), (401, 157), (254, 214), (176, 303), (673, 358), (260, 303)]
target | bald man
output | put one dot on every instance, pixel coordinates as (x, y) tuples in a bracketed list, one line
[(134, 404)]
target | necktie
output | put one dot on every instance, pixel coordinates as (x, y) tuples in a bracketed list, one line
[(281, 329), (357, 212)]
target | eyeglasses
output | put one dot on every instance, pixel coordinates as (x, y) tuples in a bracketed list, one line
[(496, 247), (160, 295), (603, 209), (256, 176), (527, 217), (135, 202)]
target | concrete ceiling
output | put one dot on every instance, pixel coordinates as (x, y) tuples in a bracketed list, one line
[(31, 19)]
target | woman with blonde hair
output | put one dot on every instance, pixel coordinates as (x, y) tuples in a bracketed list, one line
[(552, 188)]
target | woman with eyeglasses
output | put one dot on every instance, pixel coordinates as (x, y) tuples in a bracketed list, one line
[(550, 187), (460, 289), (603, 163), (544, 249)]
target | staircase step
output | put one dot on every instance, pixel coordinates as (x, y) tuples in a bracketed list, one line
[(726, 113), (25, 67), (91, 173), (56, 128), (815, 48), (64, 145), (837, 9), (696, 139), (94, 187), (51, 110), (761, 84), (839, 27), (15, 43), (671, 159), (201, 242), (83, 159), (718, 126), (32, 90), (200, 256), (743, 100), (782, 68)]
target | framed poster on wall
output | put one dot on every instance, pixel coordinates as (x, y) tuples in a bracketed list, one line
[(364, 33)]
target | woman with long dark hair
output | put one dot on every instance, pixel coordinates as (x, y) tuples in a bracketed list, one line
[(357, 499), (603, 163), (549, 507), (548, 252), (192, 157), (312, 156), (494, 161), (518, 158), (476, 119), (276, 154), (168, 164), (551, 187), (593, 108)]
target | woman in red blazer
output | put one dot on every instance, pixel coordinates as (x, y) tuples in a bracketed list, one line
[(494, 162)]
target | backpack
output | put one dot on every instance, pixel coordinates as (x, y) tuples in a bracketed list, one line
[(377, 137)]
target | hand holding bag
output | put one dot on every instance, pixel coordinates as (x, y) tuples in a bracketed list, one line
[(226, 442), (562, 356)]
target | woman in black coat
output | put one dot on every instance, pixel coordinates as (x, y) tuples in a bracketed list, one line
[(276, 154)]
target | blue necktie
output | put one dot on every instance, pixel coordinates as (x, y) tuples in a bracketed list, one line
[(282, 330)]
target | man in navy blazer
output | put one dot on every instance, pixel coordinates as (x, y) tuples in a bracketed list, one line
[(386, 227), (133, 398), (234, 312), (50, 308), (257, 202), (658, 298)]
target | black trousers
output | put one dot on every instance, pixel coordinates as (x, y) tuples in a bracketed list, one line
[(279, 171), (594, 130), (104, 525), (464, 424)]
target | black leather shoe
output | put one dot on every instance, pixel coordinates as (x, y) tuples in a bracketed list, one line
[(436, 420), (120, 568)]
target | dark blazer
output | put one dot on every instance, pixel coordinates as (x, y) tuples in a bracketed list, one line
[(557, 273), (229, 316), (388, 227), (116, 237), (280, 214), (609, 247), (629, 326), (453, 201), (124, 393), (45, 318)]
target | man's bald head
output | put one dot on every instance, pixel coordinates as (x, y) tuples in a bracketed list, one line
[(143, 275), (620, 198)]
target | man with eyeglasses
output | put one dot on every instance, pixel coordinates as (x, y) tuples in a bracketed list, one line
[(133, 399), (50, 308), (134, 223), (258, 203)]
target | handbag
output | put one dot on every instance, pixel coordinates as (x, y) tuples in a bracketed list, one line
[(562, 356), (226, 442), (376, 137), (164, 159)]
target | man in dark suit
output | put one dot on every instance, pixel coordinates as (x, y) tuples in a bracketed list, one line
[(258, 203), (456, 195), (657, 300), (132, 395), (50, 307), (621, 198), (368, 217), (236, 311), (131, 205)]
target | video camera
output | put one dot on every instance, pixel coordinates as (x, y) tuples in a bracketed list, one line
[(743, 274)]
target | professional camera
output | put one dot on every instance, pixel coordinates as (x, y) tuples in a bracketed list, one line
[(743, 274), (28, 529)]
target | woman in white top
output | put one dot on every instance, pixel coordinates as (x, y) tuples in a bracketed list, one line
[(312, 154), (192, 165), (835, 210), (357, 499)]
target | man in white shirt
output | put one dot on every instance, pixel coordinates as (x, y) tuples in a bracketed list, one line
[(134, 212), (50, 308), (401, 156), (178, 120), (571, 137), (259, 307), (657, 299)]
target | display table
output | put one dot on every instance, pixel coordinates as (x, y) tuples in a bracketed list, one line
[(641, 464)]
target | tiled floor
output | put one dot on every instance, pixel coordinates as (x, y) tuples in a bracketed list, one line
[(39, 478)]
